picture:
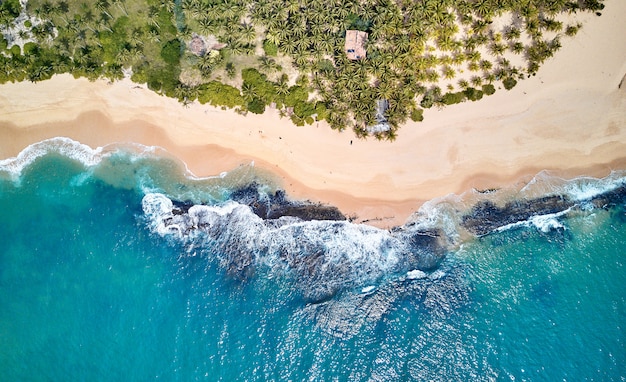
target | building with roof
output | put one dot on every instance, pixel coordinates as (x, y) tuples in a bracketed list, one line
[(355, 44)]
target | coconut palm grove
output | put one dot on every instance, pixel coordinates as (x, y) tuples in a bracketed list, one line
[(292, 56)]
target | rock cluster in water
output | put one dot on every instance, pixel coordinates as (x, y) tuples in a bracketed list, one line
[(485, 216), (277, 205), (314, 245)]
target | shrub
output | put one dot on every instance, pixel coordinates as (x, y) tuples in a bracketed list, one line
[(297, 120), (263, 88), (453, 98), (304, 109), (270, 48), (509, 83), (171, 51), (219, 94), (417, 115), (11, 7), (430, 97), (325, 65), (16, 50), (256, 106), (30, 48), (321, 111), (473, 94), (489, 89), (297, 94), (28, 24)]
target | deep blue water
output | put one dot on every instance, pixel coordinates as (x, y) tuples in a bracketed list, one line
[(93, 288)]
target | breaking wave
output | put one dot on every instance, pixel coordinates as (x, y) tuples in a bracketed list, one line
[(322, 257)]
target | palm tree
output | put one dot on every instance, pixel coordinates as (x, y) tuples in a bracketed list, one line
[(476, 81), (205, 26), (497, 49), (448, 72), (45, 10), (512, 33), (205, 65), (229, 9), (230, 70), (153, 14), (473, 66), (62, 7), (236, 48), (120, 4), (483, 8), (282, 86), (247, 32), (103, 7), (268, 64), (517, 47), (273, 38), (248, 92)]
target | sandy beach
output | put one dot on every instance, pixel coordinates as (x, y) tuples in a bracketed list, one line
[(569, 119)]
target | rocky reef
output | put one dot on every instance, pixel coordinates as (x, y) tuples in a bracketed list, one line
[(485, 216)]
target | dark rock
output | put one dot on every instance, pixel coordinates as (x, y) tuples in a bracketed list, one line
[(610, 198), (278, 205), (485, 216), (307, 212)]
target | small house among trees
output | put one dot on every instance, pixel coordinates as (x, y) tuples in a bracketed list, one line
[(197, 45), (355, 44)]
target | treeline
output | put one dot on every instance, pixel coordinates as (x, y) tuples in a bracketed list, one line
[(412, 48), (259, 93)]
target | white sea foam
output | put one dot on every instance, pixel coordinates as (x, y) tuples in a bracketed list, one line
[(61, 145), (368, 289), (440, 213), (577, 189), (327, 254), (415, 274), (545, 223), (436, 275), (586, 188)]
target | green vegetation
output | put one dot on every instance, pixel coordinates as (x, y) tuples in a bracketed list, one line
[(270, 48), (288, 54), (9, 9)]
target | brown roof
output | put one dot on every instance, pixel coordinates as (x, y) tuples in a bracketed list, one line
[(197, 46), (355, 44)]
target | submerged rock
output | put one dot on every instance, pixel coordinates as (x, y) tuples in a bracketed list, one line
[(486, 217), (610, 198), (313, 246)]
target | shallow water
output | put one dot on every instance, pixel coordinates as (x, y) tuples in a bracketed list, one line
[(91, 288)]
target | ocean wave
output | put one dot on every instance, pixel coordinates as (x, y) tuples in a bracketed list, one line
[(578, 189), (133, 166), (322, 257), (149, 169), (63, 146), (544, 223)]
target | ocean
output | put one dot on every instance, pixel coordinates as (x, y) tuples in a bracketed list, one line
[(117, 265)]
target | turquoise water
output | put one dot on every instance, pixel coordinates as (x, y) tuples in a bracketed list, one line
[(92, 289)]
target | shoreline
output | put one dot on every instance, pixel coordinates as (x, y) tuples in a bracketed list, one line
[(570, 120)]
